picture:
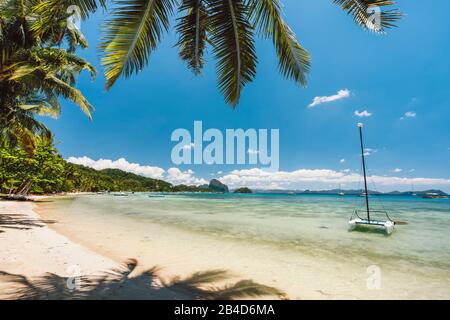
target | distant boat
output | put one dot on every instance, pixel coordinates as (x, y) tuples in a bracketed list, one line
[(414, 194), (120, 194), (356, 220), (432, 195), (156, 196), (340, 193)]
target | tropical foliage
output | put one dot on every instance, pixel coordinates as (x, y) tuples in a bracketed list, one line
[(136, 28), (35, 70), (45, 171)]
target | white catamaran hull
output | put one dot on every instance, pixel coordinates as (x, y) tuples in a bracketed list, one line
[(387, 225)]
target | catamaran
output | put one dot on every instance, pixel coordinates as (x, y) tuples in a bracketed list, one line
[(356, 221)]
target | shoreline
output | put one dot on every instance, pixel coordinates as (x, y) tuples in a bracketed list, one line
[(33, 252), (300, 273), (30, 248), (103, 243)]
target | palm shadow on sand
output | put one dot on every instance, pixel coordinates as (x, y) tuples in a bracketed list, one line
[(21, 222), (119, 284)]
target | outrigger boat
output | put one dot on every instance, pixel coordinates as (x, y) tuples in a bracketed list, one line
[(356, 220)]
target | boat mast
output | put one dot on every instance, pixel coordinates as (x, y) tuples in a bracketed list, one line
[(360, 126)]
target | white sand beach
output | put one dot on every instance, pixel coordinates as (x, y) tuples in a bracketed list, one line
[(29, 247), (58, 236), (36, 262)]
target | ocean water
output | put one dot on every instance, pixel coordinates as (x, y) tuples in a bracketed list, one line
[(284, 234)]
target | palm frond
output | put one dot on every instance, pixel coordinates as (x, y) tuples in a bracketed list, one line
[(294, 60), (365, 11), (233, 43), (192, 28), (244, 289), (47, 105), (133, 33), (49, 21), (48, 60), (67, 91)]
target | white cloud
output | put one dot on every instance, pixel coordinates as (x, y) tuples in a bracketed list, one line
[(260, 179), (409, 114), (176, 176), (342, 161), (397, 170), (318, 178), (173, 175), (342, 94), (363, 114), (369, 151), (122, 164)]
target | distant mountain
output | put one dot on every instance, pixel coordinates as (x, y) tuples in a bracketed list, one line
[(243, 190), (91, 180), (218, 186)]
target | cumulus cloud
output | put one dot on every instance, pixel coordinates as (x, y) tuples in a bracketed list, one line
[(342, 161), (319, 178), (122, 164), (261, 179), (369, 151), (342, 94), (173, 175), (409, 114), (176, 176), (363, 114), (397, 170)]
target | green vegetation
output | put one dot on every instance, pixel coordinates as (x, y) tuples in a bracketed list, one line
[(47, 172), (243, 190), (34, 70), (185, 188)]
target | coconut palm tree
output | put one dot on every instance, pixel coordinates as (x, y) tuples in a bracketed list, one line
[(34, 72), (136, 28)]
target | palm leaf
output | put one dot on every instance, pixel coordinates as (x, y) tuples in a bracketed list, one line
[(133, 33), (294, 60), (193, 27), (360, 10), (41, 105), (67, 91), (233, 43)]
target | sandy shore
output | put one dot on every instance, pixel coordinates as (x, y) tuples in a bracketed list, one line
[(30, 248), (37, 262)]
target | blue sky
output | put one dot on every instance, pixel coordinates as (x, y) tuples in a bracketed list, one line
[(405, 71)]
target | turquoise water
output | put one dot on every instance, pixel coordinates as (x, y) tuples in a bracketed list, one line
[(313, 223)]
